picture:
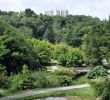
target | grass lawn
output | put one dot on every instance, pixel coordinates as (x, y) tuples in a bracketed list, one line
[(85, 93), (81, 80)]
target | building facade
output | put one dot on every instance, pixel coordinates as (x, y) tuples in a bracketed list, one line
[(49, 13), (64, 13), (56, 12)]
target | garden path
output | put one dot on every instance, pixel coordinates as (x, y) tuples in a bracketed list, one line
[(35, 92)]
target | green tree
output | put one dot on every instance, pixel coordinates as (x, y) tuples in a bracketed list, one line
[(49, 35), (29, 12), (75, 58), (42, 50)]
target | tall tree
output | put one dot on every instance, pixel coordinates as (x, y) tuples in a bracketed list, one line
[(29, 12)]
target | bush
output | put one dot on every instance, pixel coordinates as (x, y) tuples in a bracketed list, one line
[(25, 84), (44, 80), (53, 81), (106, 90), (40, 79), (98, 87), (97, 72), (64, 71), (65, 80), (20, 81), (14, 82), (3, 77), (62, 59), (102, 89), (25, 72)]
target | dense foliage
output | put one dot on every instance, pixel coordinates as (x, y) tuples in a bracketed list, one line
[(3, 77), (20, 81), (89, 34), (97, 72), (65, 80), (68, 56), (66, 71), (102, 89), (29, 42)]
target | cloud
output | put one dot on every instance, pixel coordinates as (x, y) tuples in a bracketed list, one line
[(99, 8)]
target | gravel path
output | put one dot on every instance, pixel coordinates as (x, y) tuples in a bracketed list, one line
[(34, 92)]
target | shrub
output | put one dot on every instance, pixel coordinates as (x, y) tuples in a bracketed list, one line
[(20, 81), (25, 72), (14, 82), (65, 80), (62, 59), (44, 80), (3, 77), (106, 90), (25, 84), (98, 87), (66, 71), (97, 72), (40, 79), (102, 89), (53, 81)]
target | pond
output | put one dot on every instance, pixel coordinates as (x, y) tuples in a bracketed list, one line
[(53, 98)]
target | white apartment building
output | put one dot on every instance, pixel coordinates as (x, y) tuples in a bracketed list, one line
[(57, 12), (49, 13), (64, 13)]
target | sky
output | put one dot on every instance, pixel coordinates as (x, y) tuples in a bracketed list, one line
[(95, 8)]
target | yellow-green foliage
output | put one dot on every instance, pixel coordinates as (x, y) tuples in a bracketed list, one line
[(66, 71), (42, 49), (67, 55)]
